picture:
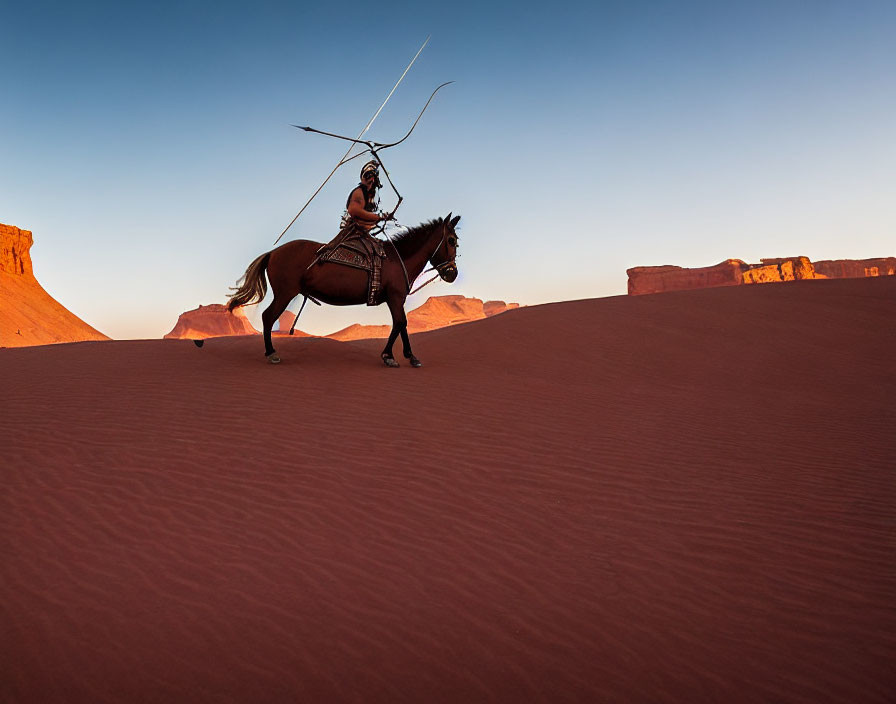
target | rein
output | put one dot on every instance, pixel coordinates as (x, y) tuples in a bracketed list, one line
[(411, 293), (436, 267), (397, 254)]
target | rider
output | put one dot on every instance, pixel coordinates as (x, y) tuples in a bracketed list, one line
[(360, 214)]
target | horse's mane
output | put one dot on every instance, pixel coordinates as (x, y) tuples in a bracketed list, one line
[(409, 241)]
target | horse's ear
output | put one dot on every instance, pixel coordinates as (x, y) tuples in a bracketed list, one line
[(448, 219), (455, 221)]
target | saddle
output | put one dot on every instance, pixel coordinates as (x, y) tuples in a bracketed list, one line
[(359, 250)]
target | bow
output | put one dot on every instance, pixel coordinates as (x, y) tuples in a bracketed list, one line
[(373, 148), (360, 134)]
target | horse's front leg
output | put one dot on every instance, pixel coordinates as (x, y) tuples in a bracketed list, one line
[(399, 327), (408, 354)]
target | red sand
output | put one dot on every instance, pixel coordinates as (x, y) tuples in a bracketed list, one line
[(686, 497)]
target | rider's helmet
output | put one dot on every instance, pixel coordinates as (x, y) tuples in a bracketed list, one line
[(372, 166)]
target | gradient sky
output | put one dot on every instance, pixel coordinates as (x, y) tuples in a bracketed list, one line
[(148, 146)]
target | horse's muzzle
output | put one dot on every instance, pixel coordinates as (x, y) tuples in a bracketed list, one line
[(448, 272)]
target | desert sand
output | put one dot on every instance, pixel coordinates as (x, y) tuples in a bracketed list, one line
[(685, 497)]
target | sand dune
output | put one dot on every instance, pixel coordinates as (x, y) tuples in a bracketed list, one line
[(685, 497)]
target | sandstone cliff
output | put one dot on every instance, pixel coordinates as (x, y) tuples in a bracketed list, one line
[(787, 269), (491, 308), (734, 272), (436, 312), (213, 320), (15, 251), (856, 268), (655, 279), (28, 314)]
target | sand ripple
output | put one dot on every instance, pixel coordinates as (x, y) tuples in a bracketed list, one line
[(686, 497)]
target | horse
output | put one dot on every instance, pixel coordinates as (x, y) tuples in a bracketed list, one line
[(294, 269)]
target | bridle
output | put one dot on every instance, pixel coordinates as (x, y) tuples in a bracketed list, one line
[(442, 270), (446, 267)]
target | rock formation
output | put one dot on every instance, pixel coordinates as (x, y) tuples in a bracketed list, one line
[(491, 308), (361, 332), (773, 270), (213, 320), (436, 312), (734, 272), (856, 268), (15, 251), (441, 311), (655, 279), (28, 314)]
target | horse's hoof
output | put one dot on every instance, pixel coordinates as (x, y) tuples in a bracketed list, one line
[(390, 361), (416, 362), (273, 358)]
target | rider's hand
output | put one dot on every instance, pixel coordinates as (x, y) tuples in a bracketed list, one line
[(387, 216)]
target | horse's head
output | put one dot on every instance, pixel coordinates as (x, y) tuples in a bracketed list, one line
[(443, 259)]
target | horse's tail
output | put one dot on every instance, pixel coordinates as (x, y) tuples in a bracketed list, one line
[(251, 286)]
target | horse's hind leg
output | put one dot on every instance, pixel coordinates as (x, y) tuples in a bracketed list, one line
[(268, 318)]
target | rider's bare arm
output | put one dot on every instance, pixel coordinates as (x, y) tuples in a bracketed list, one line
[(356, 207)]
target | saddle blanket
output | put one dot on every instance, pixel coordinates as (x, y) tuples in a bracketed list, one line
[(359, 254)]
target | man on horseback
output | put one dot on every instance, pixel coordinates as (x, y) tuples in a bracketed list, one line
[(354, 245)]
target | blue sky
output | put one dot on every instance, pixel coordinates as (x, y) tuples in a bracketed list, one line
[(148, 147)]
